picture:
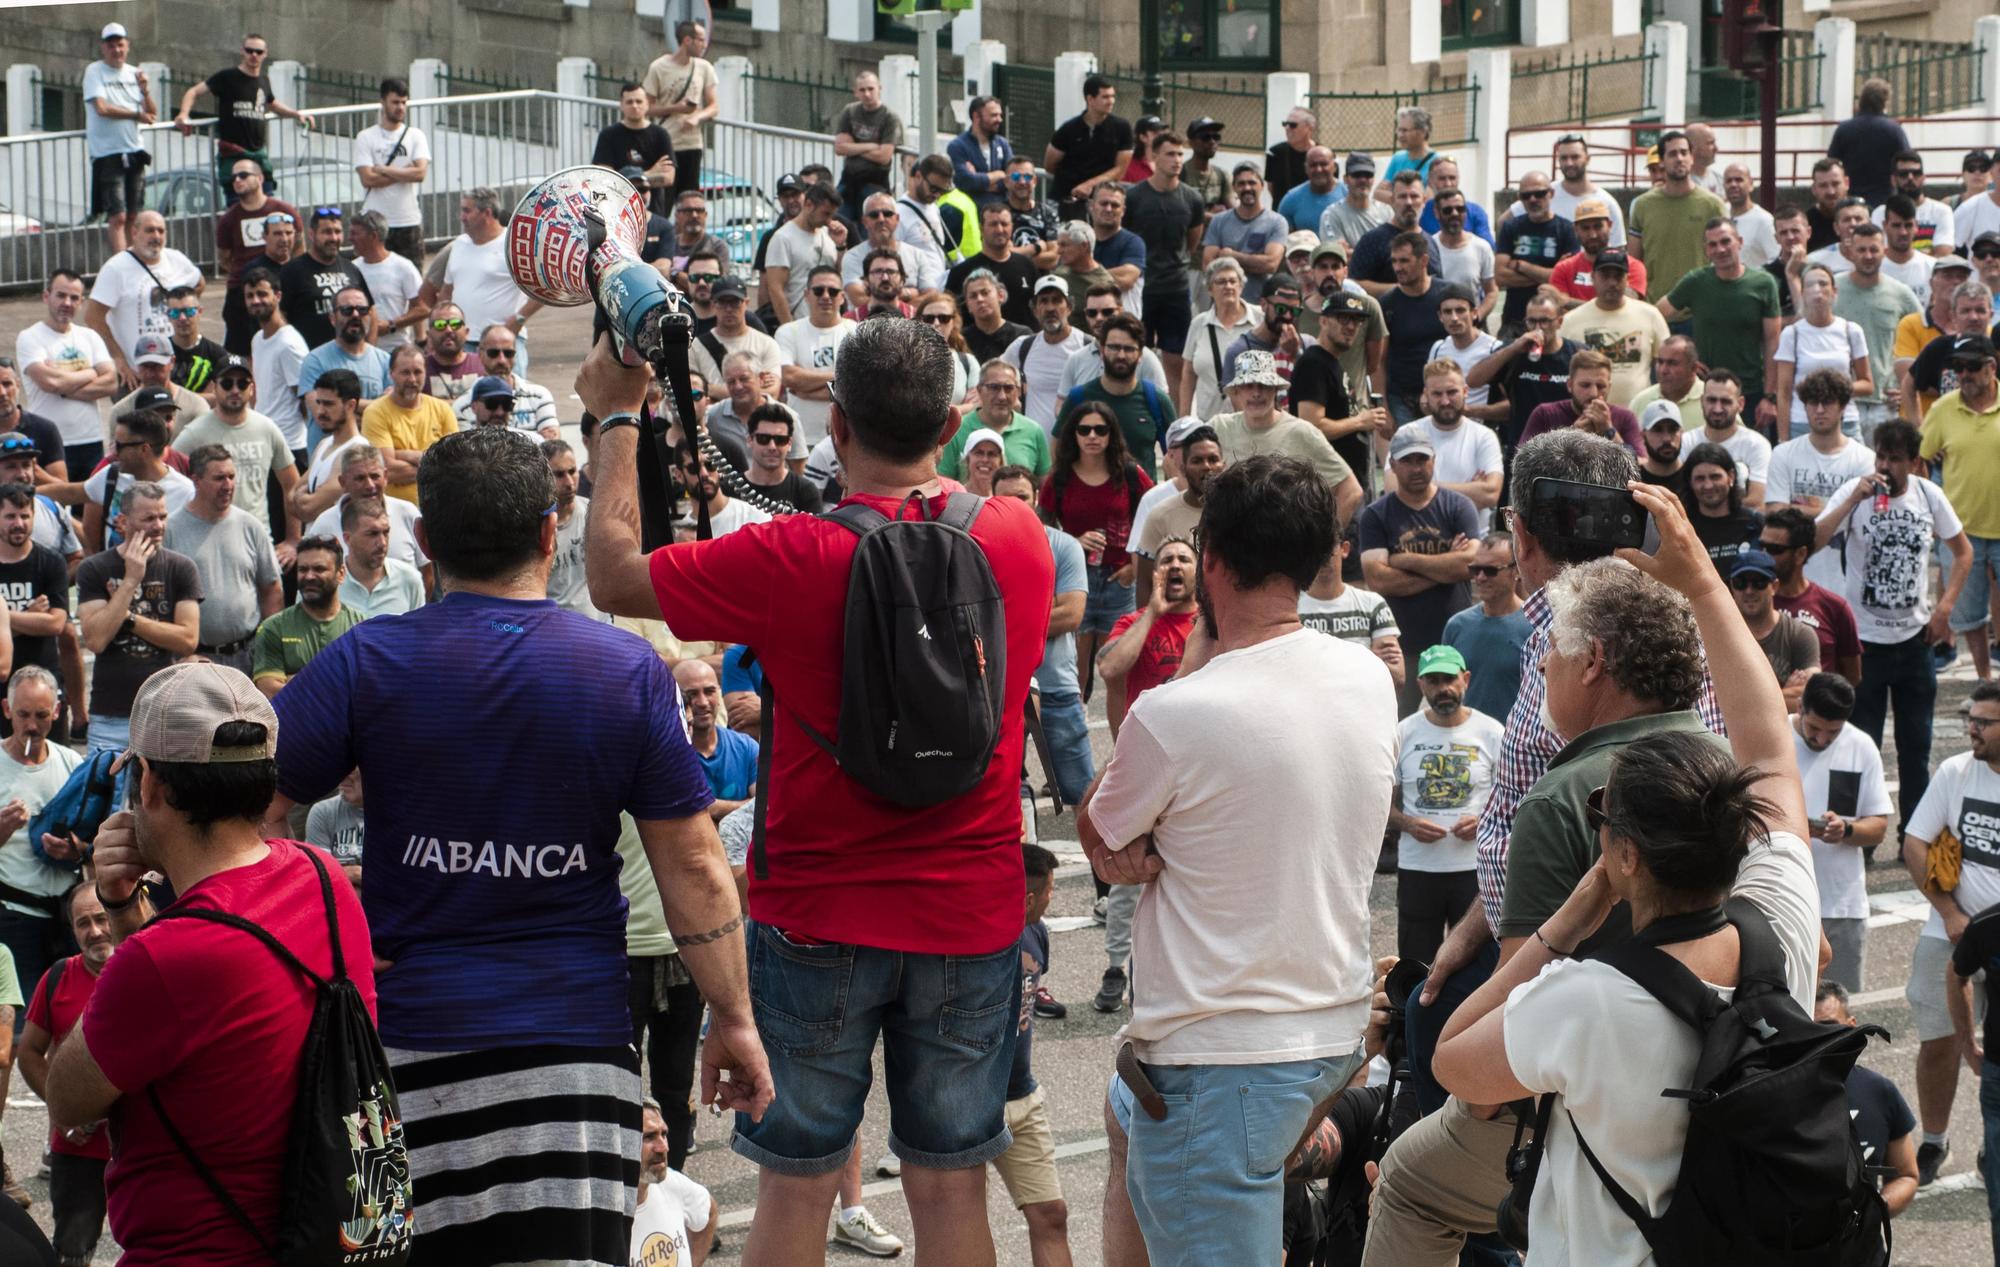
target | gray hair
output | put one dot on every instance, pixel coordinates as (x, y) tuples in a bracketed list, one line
[(1972, 288), (145, 491), (356, 454), (737, 358), (33, 674), (1223, 264), (1416, 115), (1076, 233), (373, 221), (1001, 363), (1652, 650), (1568, 454), (485, 199), (892, 381)]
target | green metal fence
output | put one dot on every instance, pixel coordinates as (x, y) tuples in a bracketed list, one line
[(59, 100), (1367, 120), (324, 86), (1236, 101), (605, 87), (803, 102), (1924, 76), (1578, 90), (1029, 95)]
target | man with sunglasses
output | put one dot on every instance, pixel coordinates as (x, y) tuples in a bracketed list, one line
[(1100, 304), (155, 363), (138, 456), (530, 407), (1937, 226), (1491, 633), (449, 366), (1787, 536), (1527, 249), (242, 94), (1788, 643), (1806, 470), (1023, 443), (260, 448), (350, 349), (309, 284), (806, 350), (727, 420), (1977, 212), (240, 227), (195, 354), (1036, 219), (772, 430), (879, 218), (1015, 267)]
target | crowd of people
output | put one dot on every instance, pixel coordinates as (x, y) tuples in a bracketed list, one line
[(1284, 454)]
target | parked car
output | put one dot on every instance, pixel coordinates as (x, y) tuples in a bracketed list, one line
[(12, 223), (738, 213), (303, 182)]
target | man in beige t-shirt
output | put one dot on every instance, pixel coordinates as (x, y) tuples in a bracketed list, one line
[(681, 85), (1259, 426)]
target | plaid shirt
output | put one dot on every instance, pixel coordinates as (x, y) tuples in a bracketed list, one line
[(1526, 750)]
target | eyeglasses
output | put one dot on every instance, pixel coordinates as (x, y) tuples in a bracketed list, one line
[(232, 384), (937, 318), (824, 291), (507, 353), (180, 313), (1593, 810), (885, 272), (1534, 193), (997, 387), (448, 323), (345, 310), (768, 438), (1483, 570), (1091, 429), (1750, 581), (1979, 724), (1542, 321)]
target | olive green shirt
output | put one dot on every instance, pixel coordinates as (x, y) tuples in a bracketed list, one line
[(287, 642), (1552, 845)]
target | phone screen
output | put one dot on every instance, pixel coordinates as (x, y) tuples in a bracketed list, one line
[(1591, 513)]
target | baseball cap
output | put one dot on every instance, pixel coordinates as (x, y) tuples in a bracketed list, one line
[(1331, 246), (1407, 441), (1971, 347), (14, 443), (1591, 209), (231, 361), (1149, 123), (1989, 238), (153, 398), (1755, 563), (1359, 162), (1051, 282), (1204, 124), (1613, 259), (152, 349), (634, 173), (984, 435), (111, 31), (1440, 659), (725, 287), (1652, 156), (1975, 160), (490, 386), (1345, 303), (790, 184), (1300, 240), (178, 710), (1661, 413), (1946, 263), (1184, 426)]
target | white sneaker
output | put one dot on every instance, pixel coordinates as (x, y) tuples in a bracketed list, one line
[(865, 1234), (890, 1167)]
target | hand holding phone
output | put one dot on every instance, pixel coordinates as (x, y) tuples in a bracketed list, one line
[(1594, 514)]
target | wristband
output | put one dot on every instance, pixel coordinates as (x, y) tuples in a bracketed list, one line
[(1560, 954), (623, 418), (115, 907)]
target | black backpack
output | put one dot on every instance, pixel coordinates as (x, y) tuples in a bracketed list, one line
[(925, 665), (1771, 1174), (346, 1197)]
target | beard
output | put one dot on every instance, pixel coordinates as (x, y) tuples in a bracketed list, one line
[(653, 1175), (1445, 705), (1548, 721), (1205, 605)]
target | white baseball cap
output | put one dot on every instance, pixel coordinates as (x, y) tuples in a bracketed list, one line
[(112, 31)]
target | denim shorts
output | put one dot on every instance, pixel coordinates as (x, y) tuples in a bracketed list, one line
[(1104, 602), (1208, 1182), (947, 1026), (1973, 607)]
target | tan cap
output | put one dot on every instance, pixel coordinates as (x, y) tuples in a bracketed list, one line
[(178, 710), (1591, 209)]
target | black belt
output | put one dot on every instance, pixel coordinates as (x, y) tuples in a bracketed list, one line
[(226, 648), (51, 906)]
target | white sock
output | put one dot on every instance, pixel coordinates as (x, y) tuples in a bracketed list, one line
[(848, 1213), (1934, 1137)]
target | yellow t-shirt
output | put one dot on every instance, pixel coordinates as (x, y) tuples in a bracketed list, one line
[(1970, 443), (388, 426), (1913, 334)]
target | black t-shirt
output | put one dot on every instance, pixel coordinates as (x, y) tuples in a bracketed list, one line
[(1086, 151), (1544, 245), (619, 147), (123, 667), (1675, 483), (1016, 272), (194, 366), (47, 437), (306, 289), (1727, 536), (1881, 1114), (1036, 225), (42, 574), (1979, 949), (1931, 372), (794, 490), (240, 100), (1532, 383), (1786, 308), (1414, 327), (1162, 221), (1823, 232), (985, 346), (659, 243), (1318, 377), (1035, 947), (1369, 261)]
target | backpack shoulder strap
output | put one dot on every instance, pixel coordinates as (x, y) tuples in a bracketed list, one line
[(208, 1178), (1021, 357), (1761, 957), (857, 518), (1626, 1201), (960, 509), (1132, 492), (51, 982), (1667, 979)]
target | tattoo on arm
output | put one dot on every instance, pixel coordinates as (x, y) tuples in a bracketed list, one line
[(713, 934)]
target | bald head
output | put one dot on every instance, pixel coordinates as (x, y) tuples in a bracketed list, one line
[(701, 696)]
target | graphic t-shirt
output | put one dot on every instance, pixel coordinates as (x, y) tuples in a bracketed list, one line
[(339, 828), (1629, 334), (77, 348), (449, 869), (240, 101), (255, 444), (1390, 524), (1358, 615), (1846, 779), (1800, 475), (1543, 245), (1034, 966), (121, 668), (306, 290), (1887, 557), (1827, 615), (1446, 774), (1160, 659), (42, 574), (1964, 799), (661, 1223), (1979, 951)]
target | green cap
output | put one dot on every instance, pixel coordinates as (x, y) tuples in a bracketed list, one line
[(1440, 659)]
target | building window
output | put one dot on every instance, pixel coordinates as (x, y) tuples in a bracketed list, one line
[(1471, 23), (730, 10), (1231, 33)]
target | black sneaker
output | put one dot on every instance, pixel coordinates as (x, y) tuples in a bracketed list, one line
[(1930, 1159), (1047, 1007), (1111, 993)]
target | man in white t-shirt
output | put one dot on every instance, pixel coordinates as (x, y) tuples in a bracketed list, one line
[(1758, 230), (478, 279), (392, 279), (1847, 807), (1042, 356), (1466, 344), (799, 245), (129, 297), (725, 513), (116, 99), (1722, 423), (1333, 607), (1964, 800), (393, 158), (806, 350), (277, 351), (1445, 754), (1467, 453), (1250, 942), (362, 476), (674, 1224), (533, 406), (1808, 469), (68, 368)]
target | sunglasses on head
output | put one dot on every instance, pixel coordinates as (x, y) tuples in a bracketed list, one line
[(280, 217), (326, 213), (447, 323)]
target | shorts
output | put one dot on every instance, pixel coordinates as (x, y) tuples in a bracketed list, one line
[(1028, 1167), (947, 1028), (1925, 992), (1208, 1182), (408, 242), (1166, 318), (118, 183), (1974, 605), (1849, 939), (1105, 601)]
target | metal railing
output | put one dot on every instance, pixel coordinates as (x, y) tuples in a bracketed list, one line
[(1367, 120), (1579, 90), (1924, 76), (803, 103), (1029, 95), (321, 87), (1236, 101)]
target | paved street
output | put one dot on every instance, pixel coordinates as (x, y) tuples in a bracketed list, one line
[(1946, 1228)]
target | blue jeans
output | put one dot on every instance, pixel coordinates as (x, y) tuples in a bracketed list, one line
[(1989, 1115), (1974, 606), (1105, 601), (1069, 744), (1901, 675), (947, 1026), (1403, 409), (1208, 1182)]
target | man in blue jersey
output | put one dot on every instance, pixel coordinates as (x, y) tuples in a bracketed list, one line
[(496, 864)]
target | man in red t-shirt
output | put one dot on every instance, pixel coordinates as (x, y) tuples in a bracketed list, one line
[(78, 1155), (197, 1018), (870, 919), (1575, 275), (1787, 536), (1143, 650)]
